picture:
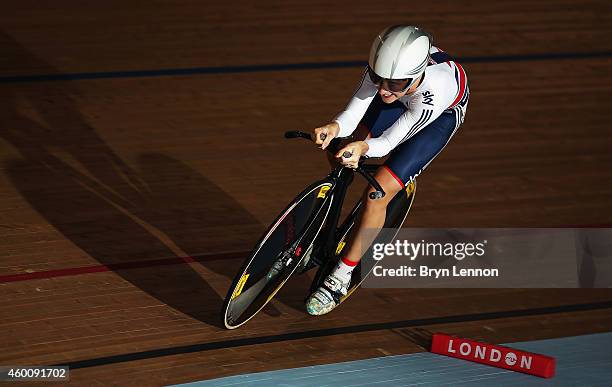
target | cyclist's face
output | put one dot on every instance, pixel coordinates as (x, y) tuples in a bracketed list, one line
[(389, 96)]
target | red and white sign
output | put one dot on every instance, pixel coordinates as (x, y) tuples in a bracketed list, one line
[(494, 355)]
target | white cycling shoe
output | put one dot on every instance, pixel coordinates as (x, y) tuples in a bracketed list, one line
[(327, 297)]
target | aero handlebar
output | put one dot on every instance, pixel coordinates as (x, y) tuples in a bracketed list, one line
[(379, 193)]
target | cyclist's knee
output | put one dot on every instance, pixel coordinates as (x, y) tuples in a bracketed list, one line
[(390, 191)]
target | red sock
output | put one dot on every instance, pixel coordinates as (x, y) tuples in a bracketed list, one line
[(344, 269), (347, 262)]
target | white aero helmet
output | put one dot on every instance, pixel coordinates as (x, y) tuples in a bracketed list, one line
[(399, 53)]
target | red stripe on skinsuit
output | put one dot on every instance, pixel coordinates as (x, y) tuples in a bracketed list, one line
[(461, 85), (399, 181)]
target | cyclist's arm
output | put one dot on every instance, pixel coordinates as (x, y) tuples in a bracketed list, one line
[(356, 108), (421, 112)]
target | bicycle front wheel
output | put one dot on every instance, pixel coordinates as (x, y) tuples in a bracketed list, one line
[(277, 255)]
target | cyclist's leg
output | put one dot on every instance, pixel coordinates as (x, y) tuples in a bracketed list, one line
[(372, 216), (406, 162), (377, 119), (326, 298)]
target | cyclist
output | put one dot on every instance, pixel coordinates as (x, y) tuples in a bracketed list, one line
[(411, 100)]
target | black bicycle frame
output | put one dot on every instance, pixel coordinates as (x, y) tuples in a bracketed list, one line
[(340, 178)]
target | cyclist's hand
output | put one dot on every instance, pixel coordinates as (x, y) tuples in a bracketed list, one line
[(330, 132), (356, 150)]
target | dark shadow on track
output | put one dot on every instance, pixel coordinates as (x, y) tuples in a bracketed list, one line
[(113, 213), (191, 210)]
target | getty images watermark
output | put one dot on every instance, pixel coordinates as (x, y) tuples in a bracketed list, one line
[(488, 258), (412, 250)]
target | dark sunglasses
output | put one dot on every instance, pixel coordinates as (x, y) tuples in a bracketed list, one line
[(393, 85)]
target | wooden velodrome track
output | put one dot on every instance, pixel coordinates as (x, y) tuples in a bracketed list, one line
[(107, 180)]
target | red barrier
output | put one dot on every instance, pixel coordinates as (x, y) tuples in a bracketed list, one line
[(494, 355)]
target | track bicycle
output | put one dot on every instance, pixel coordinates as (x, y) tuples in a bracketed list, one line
[(305, 235)]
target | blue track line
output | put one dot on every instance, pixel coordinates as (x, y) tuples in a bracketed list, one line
[(279, 67)]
